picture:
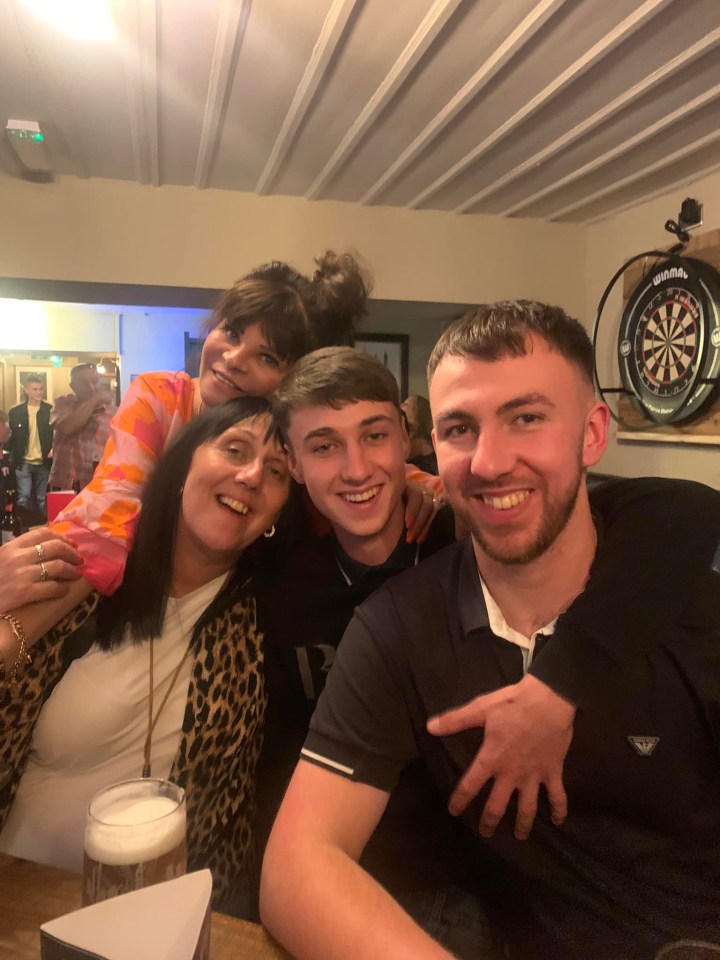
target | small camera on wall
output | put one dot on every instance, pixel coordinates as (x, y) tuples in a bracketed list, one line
[(690, 217), (691, 214)]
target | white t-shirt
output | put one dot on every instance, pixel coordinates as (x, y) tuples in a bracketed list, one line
[(91, 733)]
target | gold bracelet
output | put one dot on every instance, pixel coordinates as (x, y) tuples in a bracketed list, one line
[(23, 657)]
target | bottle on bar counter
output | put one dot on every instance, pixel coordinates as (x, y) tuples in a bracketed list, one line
[(10, 523)]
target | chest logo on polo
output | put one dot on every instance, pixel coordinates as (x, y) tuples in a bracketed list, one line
[(644, 746)]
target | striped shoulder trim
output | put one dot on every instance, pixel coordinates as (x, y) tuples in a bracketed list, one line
[(327, 762)]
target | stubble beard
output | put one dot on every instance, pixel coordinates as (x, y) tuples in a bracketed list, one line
[(554, 520)]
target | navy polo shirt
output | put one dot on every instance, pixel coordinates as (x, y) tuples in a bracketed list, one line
[(638, 861)]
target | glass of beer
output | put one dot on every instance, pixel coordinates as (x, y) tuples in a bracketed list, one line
[(134, 837)]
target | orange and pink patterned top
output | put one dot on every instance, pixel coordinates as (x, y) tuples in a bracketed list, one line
[(100, 522)]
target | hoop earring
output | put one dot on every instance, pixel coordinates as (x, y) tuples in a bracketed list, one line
[(270, 533)]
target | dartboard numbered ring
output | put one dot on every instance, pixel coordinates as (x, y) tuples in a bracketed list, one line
[(669, 340)]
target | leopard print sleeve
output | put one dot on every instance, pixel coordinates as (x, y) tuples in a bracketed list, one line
[(220, 746), (21, 703)]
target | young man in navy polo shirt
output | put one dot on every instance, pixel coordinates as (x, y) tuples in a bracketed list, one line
[(637, 862)]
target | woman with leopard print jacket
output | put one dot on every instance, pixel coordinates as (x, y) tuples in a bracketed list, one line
[(77, 719)]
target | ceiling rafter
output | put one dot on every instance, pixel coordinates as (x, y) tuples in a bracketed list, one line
[(707, 96), (600, 116), (666, 161), (592, 56), (57, 110), (431, 25), (228, 41), (654, 194), (510, 47), (330, 36), (140, 53)]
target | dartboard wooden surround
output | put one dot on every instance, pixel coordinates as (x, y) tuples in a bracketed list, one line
[(668, 344)]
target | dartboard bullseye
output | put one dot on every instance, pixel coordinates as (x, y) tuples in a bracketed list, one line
[(669, 342)]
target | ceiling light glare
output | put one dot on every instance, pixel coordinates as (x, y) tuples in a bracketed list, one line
[(81, 19)]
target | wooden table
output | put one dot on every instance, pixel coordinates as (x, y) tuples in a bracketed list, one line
[(31, 894)]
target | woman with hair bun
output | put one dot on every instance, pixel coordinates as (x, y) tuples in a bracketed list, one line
[(261, 325)]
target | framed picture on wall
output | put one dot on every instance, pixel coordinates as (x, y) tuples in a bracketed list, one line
[(21, 375), (193, 349), (392, 350)]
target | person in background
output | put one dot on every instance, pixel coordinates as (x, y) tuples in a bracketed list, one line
[(182, 625), (4, 432), (81, 425), (4, 438), (30, 446), (422, 454), (7, 476), (20, 556), (634, 863)]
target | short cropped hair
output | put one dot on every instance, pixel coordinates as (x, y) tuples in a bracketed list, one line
[(332, 377), (81, 366), (33, 378), (496, 330)]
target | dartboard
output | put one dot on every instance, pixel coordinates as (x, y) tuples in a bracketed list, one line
[(669, 342)]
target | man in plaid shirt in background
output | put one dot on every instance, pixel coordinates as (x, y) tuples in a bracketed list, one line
[(81, 423)]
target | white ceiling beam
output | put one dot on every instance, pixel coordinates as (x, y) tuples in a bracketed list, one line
[(592, 56), (683, 182), (330, 36), (604, 158), (600, 116), (433, 22), (665, 161), (140, 51), (228, 41), (510, 47), (57, 109)]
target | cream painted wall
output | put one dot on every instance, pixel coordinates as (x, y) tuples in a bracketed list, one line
[(112, 231), (609, 244), (120, 232)]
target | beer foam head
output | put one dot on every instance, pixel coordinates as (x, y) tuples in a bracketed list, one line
[(127, 826)]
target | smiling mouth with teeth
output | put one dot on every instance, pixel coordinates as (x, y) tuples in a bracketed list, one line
[(506, 502), (226, 382), (234, 505), (362, 497)]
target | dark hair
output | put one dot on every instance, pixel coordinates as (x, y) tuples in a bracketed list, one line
[(33, 378), (141, 600), (81, 366), (422, 422), (332, 377), (496, 330), (298, 314)]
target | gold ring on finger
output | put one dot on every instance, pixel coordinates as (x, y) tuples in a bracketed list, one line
[(40, 552), (43, 572)]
